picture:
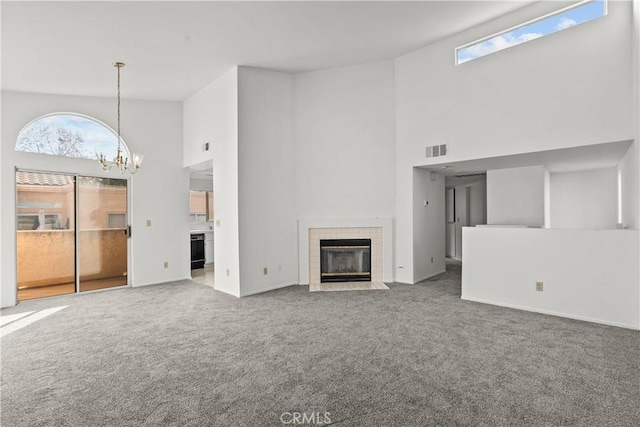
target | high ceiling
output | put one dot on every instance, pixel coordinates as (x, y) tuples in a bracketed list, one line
[(173, 49)]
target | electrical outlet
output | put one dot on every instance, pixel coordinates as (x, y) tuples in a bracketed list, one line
[(265, 271), (539, 286), (166, 264), (148, 223)]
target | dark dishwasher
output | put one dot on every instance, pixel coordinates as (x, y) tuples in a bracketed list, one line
[(197, 251)]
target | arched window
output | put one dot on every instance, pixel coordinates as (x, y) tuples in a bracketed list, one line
[(70, 135)]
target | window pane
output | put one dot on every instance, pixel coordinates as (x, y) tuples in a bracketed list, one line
[(68, 135), (558, 21)]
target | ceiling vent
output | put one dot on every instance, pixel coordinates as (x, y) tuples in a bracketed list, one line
[(437, 150)]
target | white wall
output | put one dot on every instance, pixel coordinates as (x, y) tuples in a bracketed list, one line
[(344, 132), (588, 275), (200, 184), (568, 89), (212, 115), (157, 192), (429, 244), (267, 181), (478, 199), (584, 199), (635, 185), (515, 196)]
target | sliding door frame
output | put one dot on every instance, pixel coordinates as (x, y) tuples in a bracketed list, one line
[(76, 206)]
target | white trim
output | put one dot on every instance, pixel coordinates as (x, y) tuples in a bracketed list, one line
[(263, 290), (429, 277), (553, 313), (140, 285)]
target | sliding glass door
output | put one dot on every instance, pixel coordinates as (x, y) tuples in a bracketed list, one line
[(54, 256), (102, 237), (45, 234)]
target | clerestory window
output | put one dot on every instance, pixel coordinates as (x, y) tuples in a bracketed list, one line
[(562, 19)]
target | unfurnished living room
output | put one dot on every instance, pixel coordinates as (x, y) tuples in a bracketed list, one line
[(341, 213)]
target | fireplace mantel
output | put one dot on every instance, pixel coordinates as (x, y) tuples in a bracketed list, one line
[(306, 224)]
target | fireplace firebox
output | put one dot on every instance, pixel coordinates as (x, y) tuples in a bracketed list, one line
[(345, 260)]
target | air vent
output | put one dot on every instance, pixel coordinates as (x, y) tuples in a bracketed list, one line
[(467, 175), (437, 150)]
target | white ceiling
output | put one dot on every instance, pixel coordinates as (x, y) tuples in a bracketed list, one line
[(173, 49)]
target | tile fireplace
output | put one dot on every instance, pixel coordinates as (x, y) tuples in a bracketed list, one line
[(313, 230)]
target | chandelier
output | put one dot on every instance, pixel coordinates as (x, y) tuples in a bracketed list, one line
[(121, 162)]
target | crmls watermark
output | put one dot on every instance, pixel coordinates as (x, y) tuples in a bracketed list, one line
[(301, 418)]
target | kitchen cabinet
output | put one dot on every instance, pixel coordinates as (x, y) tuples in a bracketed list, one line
[(200, 206)]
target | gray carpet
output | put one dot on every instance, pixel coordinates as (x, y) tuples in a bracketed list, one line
[(182, 354)]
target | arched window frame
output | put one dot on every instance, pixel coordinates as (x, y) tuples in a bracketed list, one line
[(90, 155)]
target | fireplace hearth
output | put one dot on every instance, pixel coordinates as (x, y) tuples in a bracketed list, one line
[(345, 260)]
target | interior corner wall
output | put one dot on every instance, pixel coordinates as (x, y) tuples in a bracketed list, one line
[(211, 115), (344, 130), (515, 196), (157, 192), (267, 181), (428, 225), (585, 199)]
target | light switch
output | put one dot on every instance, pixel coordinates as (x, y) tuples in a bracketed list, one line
[(217, 223), (148, 223)]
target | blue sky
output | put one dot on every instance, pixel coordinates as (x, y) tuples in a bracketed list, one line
[(96, 137), (550, 25)]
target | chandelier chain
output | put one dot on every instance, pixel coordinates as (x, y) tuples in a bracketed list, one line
[(118, 67), (121, 162)]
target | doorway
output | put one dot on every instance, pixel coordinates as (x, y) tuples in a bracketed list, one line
[(465, 206), (71, 233), (202, 222)]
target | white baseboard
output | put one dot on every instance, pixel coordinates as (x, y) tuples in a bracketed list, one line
[(271, 288), (554, 313), (428, 277), (139, 285)]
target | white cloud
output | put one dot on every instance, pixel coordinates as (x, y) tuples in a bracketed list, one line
[(496, 44), (565, 23)]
